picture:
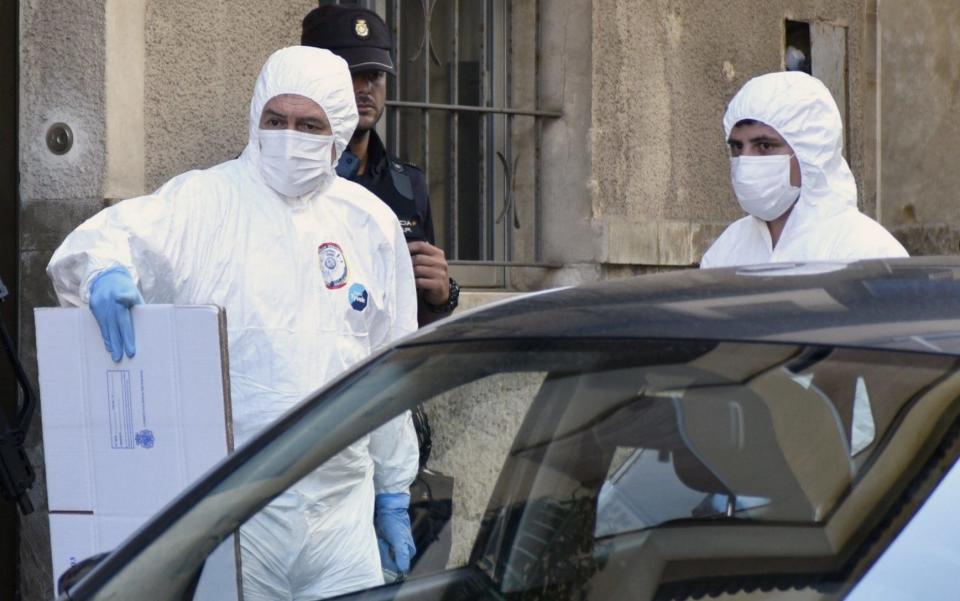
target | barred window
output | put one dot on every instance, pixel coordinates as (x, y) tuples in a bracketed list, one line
[(465, 108)]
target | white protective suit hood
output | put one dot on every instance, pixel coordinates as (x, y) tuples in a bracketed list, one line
[(804, 113), (314, 73), (825, 223)]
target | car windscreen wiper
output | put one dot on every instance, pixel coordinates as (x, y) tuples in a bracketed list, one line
[(16, 473)]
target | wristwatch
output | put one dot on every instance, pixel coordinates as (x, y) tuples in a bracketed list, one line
[(452, 300)]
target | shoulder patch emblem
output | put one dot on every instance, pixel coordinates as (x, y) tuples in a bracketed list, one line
[(333, 265)]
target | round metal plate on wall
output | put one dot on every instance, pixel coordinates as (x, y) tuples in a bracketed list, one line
[(59, 138)]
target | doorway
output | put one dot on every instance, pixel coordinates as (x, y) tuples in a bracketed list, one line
[(9, 254)]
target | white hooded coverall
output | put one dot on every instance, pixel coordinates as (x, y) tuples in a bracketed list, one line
[(291, 274), (825, 223)]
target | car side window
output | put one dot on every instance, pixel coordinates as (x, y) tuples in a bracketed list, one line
[(474, 426), (471, 429)]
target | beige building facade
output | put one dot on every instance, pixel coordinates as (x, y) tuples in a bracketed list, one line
[(598, 140)]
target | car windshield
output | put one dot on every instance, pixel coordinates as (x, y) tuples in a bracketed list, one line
[(607, 468)]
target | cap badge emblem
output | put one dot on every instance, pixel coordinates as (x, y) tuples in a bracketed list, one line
[(361, 28)]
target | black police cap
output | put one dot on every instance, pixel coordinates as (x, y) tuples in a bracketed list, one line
[(357, 35)]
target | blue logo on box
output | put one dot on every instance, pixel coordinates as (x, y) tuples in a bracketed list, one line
[(358, 297), (145, 439)]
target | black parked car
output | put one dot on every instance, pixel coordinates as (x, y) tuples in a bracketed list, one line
[(772, 432)]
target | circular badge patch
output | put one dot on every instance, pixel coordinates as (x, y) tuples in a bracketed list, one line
[(332, 265), (358, 297)]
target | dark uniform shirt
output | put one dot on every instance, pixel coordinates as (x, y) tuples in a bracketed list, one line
[(401, 185)]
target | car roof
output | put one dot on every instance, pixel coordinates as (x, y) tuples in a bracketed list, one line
[(905, 304)]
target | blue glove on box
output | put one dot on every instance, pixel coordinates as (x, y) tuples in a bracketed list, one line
[(392, 522), (112, 293)]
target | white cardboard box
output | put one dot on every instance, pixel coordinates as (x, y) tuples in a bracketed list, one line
[(121, 440)]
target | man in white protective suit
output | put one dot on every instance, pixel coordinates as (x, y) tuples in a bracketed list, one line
[(314, 274), (788, 173)]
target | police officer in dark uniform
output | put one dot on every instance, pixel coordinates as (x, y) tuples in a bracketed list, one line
[(361, 38)]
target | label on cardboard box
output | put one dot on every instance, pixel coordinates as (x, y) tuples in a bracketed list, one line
[(121, 440)]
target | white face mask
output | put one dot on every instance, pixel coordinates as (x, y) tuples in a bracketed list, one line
[(762, 184), (295, 163)]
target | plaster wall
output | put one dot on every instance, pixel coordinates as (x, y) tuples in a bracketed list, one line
[(201, 60), (62, 80), (920, 99), (124, 60), (569, 233), (669, 67)]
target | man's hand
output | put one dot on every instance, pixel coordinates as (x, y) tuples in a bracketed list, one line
[(430, 272), (112, 293)]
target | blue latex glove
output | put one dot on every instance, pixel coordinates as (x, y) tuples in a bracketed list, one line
[(392, 522), (112, 293)]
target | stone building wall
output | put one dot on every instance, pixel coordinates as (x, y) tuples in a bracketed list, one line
[(920, 100), (201, 61)]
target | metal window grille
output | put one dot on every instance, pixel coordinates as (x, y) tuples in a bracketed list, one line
[(465, 107)]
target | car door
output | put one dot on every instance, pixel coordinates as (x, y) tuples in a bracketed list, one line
[(601, 469)]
